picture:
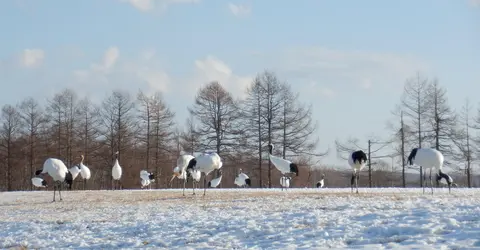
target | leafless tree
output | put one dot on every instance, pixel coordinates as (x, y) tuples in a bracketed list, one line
[(32, 118), (11, 124), (415, 107), (463, 140), (190, 140), (441, 119), (217, 113), (253, 126), (118, 127)]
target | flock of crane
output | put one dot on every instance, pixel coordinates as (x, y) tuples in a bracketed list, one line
[(192, 167)]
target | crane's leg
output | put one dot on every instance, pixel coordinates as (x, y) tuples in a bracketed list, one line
[(184, 183), (205, 184), (424, 180), (431, 182), (352, 181), (193, 186), (84, 183), (60, 191), (54, 189), (357, 179)]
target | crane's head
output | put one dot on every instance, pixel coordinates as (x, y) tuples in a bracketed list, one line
[(38, 172)]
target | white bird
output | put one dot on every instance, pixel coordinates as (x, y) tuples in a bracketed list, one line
[(146, 178), (285, 182), (215, 182), (284, 166), (146, 182), (205, 163), (59, 173), (429, 158), (116, 172), (180, 171), (321, 183), (75, 170), (242, 180), (357, 161), (84, 172), (39, 182)]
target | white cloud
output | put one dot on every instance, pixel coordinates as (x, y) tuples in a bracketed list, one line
[(475, 3), (110, 57), (213, 69), (349, 68), (150, 5), (32, 57), (239, 10)]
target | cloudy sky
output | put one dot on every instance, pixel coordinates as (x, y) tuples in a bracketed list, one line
[(349, 60)]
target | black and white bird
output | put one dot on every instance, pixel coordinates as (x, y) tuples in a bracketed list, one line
[(39, 182), (284, 166), (59, 173), (84, 172), (75, 171), (432, 159), (242, 180), (321, 182), (285, 182), (180, 171), (205, 163), (215, 182), (146, 178), (357, 161), (116, 172)]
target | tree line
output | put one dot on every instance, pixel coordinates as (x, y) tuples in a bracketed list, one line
[(142, 129), (424, 118)]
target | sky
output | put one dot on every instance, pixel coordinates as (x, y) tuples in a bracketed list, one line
[(349, 61)]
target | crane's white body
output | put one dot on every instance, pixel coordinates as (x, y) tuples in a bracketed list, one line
[(429, 158), (321, 183), (281, 164), (75, 171), (180, 171), (215, 182), (85, 172), (145, 175), (55, 168), (146, 182), (116, 170), (240, 180), (38, 182)]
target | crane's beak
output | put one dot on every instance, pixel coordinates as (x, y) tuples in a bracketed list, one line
[(173, 177)]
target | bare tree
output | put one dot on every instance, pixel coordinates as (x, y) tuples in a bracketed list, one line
[(253, 126), (11, 124), (463, 141), (415, 108), (32, 117), (297, 127), (441, 120), (119, 126), (216, 111), (88, 130), (190, 140)]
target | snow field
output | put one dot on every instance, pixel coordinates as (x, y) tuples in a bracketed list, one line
[(243, 219)]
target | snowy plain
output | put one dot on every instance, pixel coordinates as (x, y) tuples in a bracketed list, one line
[(377, 218)]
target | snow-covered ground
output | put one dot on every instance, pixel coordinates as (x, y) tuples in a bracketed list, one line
[(242, 218)]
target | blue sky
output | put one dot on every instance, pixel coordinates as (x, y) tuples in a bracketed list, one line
[(350, 61)]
